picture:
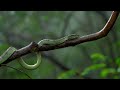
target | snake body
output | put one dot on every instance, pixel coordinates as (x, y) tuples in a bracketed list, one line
[(7, 54), (11, 51), (57, 41)]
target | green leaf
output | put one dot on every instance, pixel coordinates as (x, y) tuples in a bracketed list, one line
[(107, 71), (117, 61), (98, 57), (92, 68), (67, 75)]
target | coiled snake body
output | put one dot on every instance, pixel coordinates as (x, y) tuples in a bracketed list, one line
[(11, 50)]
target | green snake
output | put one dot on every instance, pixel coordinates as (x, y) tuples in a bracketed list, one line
[(10, 51)]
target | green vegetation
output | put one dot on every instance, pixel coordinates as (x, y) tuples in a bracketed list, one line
[(98, 59)]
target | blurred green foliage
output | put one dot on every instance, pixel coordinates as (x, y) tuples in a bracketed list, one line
[(97, 59), (67, 75)]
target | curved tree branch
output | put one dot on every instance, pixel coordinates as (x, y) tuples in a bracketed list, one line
[(102, 33), (92, 37)]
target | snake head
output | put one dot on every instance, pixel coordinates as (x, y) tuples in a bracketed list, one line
[(73, 36)]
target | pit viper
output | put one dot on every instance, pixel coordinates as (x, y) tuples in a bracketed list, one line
[(10, 51)]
